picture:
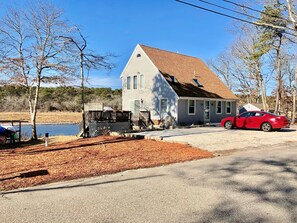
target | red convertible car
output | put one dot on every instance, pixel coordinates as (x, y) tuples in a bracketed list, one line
[(256, 120)]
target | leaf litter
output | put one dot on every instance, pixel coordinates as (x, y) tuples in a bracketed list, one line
[(88, 157)]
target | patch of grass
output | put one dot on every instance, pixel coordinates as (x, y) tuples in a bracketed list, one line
[(44, 117)]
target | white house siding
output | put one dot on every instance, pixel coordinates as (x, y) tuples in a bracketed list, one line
[(155, 86)]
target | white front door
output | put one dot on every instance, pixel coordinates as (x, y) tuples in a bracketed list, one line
[(135, 107), (206, 111)]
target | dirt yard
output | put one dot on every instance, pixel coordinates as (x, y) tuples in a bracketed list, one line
[(87, 157), (44, 117)]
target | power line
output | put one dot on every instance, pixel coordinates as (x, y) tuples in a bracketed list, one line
[(255, 10), (248, 14), (236, 18), (219, 13), (231, 10), (242, 6)]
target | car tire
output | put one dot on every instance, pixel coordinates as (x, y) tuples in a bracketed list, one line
[(228, 125), (266, 127)]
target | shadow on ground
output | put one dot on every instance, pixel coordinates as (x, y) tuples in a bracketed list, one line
[(22, 144), (76, 144), (264, 186), (86, 183)]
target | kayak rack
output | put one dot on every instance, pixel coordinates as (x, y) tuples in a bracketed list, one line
[(17, 123)]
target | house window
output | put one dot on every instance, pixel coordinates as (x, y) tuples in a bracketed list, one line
[(163, 105), (219, 107), (128, 82), (191, 107), (135, 82), (228, 107), (141, 86)]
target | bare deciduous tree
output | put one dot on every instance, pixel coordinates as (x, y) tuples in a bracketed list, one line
[(33, 54), (275, 29), (223, 67), (87, 60), (243, 65)]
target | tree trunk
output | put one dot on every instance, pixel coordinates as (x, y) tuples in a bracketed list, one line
[(258, 87), (30, 101), (278, 89), (263, 95), (262, 87), (33, 124), (292, 16), (33, 108), (294, 98), (83, 95)]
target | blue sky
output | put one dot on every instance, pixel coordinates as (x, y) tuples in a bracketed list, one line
[(117, 26)]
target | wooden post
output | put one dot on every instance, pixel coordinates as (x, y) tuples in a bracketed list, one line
[(20, 130), (46, 139)]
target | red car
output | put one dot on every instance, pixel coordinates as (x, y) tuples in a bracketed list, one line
[(256, 120)]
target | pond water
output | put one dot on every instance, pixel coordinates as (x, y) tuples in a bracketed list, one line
[(52, 129)]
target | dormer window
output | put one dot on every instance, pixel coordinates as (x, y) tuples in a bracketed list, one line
[(197, 82), (173, 79)]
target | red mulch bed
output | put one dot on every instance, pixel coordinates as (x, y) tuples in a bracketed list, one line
[(88, 157)]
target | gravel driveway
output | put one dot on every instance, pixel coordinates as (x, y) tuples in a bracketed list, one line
[(220, 139)]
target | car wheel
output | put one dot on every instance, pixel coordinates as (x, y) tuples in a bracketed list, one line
[(228, 125), (266, 127)]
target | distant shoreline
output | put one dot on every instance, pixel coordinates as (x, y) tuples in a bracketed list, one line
[(60, 123), (57, 118)]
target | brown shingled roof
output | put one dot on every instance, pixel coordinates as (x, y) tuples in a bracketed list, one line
[(184, 69)]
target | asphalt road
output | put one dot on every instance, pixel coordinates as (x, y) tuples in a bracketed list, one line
[(253, 186)]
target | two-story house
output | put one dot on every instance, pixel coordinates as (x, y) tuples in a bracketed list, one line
[(181, 86)]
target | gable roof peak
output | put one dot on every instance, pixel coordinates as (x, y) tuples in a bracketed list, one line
[(166, 51)]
